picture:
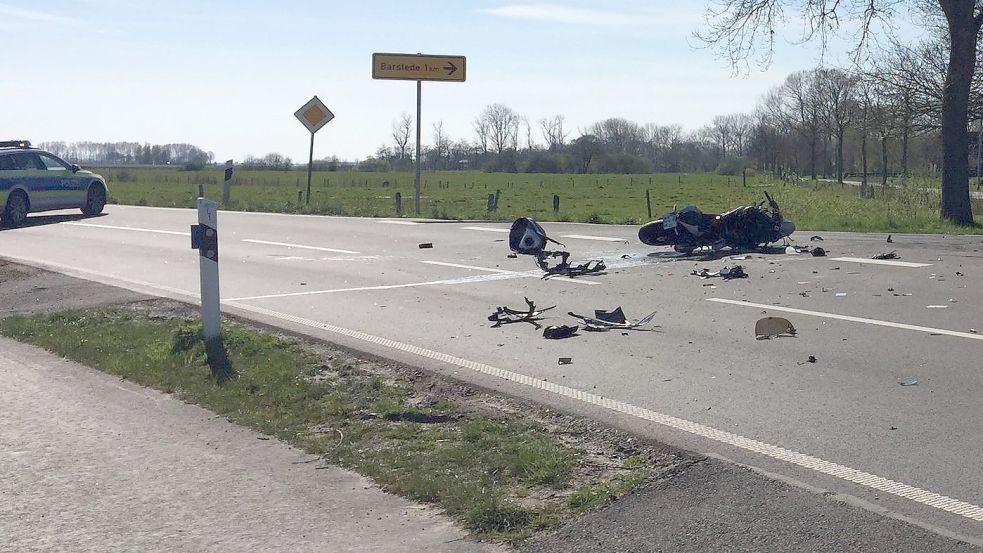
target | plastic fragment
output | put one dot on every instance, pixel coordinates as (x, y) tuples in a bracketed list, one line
[(773, 327), (908, 382), (559, 332)]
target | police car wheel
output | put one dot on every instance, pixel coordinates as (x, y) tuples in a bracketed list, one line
[(15, 212), (95, 200)]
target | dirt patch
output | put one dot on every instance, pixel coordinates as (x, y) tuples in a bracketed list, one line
[(25, 290)]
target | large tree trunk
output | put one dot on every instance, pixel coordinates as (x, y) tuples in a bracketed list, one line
[(864, 184), (884, 161), (905, 139), (839, 156), (963, 29), (812, 156)]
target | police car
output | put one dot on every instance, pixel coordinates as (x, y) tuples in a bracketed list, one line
[(33, 180)]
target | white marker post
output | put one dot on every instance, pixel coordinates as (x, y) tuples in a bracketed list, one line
[(211, 315), (227, 185)]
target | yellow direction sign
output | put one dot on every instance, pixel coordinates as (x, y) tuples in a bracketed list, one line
[(314, 115), (419, 67)]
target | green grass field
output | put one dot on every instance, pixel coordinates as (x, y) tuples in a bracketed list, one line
[(583, 198)]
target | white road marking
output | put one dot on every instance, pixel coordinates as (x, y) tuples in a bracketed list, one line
[(318, 248), (134, 229), (463, 280), (851, 319), (390, 222), (881, 262), (514, 273), (862, 478), (600, 238), (459, 266), (487, 229), (866, 479)]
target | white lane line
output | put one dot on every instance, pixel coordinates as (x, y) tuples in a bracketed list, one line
[(318, 248), (459, 266), (487, 229), (881, 262), (586, 237), (463, 280), (388, 222), (869, 480), (134, 229), (862, 478), (514, 273), (851, 319)]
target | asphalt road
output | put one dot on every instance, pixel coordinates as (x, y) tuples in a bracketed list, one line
[(700, 381)]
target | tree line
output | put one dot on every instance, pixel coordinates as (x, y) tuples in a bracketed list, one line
[(130, 153)]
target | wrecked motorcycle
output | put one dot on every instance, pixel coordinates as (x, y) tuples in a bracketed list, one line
[(527, 237), (744, 228)]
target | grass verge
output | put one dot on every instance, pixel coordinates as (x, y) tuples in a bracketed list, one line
[(504, 479)]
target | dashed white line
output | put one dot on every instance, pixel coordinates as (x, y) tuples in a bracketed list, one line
[(881, 262), (850, 318), (862, 478), (391, 222), (472, 267), (318, 248), (599, 238), (487, 229), (134, 229)]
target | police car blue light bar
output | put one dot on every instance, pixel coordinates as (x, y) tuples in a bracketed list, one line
[(15, 144)]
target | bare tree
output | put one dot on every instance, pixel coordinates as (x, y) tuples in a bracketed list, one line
[(441, 144), (837, 94), (553, 132), (482, 129), (800, 109), (745, 29), (502, 126), (401, 134)]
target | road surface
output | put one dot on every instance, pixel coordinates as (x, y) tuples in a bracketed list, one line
[(700, 381)]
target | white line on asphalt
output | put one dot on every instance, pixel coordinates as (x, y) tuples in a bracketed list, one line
[(851, 319), (463, 280), (134, 229), (459, 266), (320, 249), (388, 222), (514, 273), (600, 238), (866, 479), (880, 262), (487, 229)]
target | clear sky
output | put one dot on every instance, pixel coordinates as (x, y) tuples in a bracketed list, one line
[(227, 75)]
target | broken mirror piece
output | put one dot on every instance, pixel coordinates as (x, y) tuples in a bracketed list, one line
[(560, 332), (506, 315), (773, 327)]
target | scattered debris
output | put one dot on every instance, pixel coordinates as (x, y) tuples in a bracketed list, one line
[(891, 255), (727, 273), (626, 256), (811, 359), (817, 238), (973, 330), (889, 239), (841, 294), (958, 273), (505, 315), (908, 382), (564, 361), (791, 250), (560, 332), (739, 258), (528, 238), (773, 327), (612, 320), (818, 252), (512, 256), (563, 268), (426, 245)]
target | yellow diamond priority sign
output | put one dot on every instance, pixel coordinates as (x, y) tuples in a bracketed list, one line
[(314, 115)]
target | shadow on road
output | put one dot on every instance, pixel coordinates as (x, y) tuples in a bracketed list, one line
[(42, 220)]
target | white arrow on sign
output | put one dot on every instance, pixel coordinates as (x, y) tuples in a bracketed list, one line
[(314, 115)]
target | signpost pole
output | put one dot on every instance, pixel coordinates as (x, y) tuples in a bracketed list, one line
[(227, 185), (310, 169), (416, 182)]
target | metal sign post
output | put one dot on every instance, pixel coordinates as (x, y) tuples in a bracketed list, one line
[(204, 238), (419, 68), (227, 185), (314, 115)]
